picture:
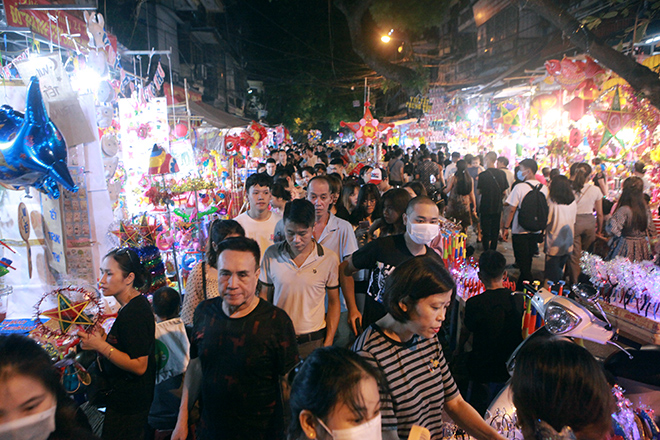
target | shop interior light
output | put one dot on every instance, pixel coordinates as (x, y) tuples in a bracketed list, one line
[(473, 115), (552, 117), (86, 80)]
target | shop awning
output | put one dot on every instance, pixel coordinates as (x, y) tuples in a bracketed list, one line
[(216, 117)]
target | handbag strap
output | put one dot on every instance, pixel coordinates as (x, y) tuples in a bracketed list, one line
[(204, 279)]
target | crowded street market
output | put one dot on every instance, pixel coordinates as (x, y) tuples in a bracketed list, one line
[(459, 260)]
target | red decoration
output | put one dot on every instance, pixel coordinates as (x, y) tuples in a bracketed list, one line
[(572, 73), (180, 130), (367, 129), (575, 138)]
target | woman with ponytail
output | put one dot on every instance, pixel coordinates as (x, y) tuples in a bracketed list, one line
[(462, 204), (124, 373), (589, 198)]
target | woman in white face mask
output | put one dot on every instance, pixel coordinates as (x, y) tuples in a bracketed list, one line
[(33, 405), (335, 395)]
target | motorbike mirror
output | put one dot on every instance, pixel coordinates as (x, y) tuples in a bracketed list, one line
[(525, 294), (585, 291)]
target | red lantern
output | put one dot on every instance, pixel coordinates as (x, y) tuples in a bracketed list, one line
[(575, 138), (180, 130)]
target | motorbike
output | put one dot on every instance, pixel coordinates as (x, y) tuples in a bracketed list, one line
[(635, 368)]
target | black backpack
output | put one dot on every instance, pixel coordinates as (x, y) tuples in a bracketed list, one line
[(533, 211)]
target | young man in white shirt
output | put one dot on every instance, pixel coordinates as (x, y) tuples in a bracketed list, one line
[(524, 242), (258, 221), (299, 272)]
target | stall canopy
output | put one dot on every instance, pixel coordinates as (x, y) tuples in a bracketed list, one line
[(216, 117)]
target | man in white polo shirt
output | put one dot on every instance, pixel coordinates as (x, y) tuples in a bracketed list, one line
[(258, 221), (299, 272)]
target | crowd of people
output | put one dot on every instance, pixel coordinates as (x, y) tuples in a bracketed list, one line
[(317, 312)]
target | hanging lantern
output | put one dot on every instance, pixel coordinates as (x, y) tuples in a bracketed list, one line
[(180, 130)]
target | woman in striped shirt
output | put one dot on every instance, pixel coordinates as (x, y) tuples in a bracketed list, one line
[(405, 347)]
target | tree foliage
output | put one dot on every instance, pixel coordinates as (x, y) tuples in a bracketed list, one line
[(303, 106), (412, 17)]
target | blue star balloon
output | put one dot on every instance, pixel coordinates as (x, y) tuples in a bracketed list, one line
[(32, 149)]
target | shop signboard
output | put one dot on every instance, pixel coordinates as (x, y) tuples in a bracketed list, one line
[(54, 30)]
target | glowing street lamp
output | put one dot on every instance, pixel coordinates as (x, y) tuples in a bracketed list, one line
[(387, 38)]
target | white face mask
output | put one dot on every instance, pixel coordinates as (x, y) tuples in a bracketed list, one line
[(34, 427), (422, 233), (370, 430)]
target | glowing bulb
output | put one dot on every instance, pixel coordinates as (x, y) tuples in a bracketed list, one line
[(385, 39), (473, 115)]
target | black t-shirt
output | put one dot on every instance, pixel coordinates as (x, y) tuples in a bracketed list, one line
[(495, 319), (133, 333), (242, 361), (382, 256), (491, 184)]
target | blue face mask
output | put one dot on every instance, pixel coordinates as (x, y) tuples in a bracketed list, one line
[(519, 175)]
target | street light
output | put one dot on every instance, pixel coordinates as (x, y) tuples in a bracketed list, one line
[(387, 38)]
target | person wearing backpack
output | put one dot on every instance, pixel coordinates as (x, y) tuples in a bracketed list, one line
[(527, 219)]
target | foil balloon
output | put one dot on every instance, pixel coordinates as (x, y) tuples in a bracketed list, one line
[(32, 149)]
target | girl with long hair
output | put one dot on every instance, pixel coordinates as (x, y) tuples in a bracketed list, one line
[(631, 225), (462, 203), (394, 203)]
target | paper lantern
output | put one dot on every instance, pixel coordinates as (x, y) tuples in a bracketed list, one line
[(180, 130)]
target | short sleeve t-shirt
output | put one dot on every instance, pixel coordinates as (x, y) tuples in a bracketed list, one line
[(242, 360), (586, 199), (561, 224), (382, 256), (134, 333), (417, 376), (300, 291), (516, 197), (494, 318), (261, 232), (491, 184)]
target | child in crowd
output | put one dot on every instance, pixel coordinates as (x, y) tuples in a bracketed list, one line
[(172, 357)]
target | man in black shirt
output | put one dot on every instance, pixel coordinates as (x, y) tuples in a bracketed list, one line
[(492, 185), (241, 349), (384, 254), (494, 318)]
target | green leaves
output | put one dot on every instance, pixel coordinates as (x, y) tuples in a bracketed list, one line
[(412, 16)]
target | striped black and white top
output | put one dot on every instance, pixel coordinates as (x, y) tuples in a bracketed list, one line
[(417, 376)]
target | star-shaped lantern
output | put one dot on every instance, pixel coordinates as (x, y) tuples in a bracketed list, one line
[(69, 313), (366, 129), (510, 118), (128, 234), (614, 119)]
